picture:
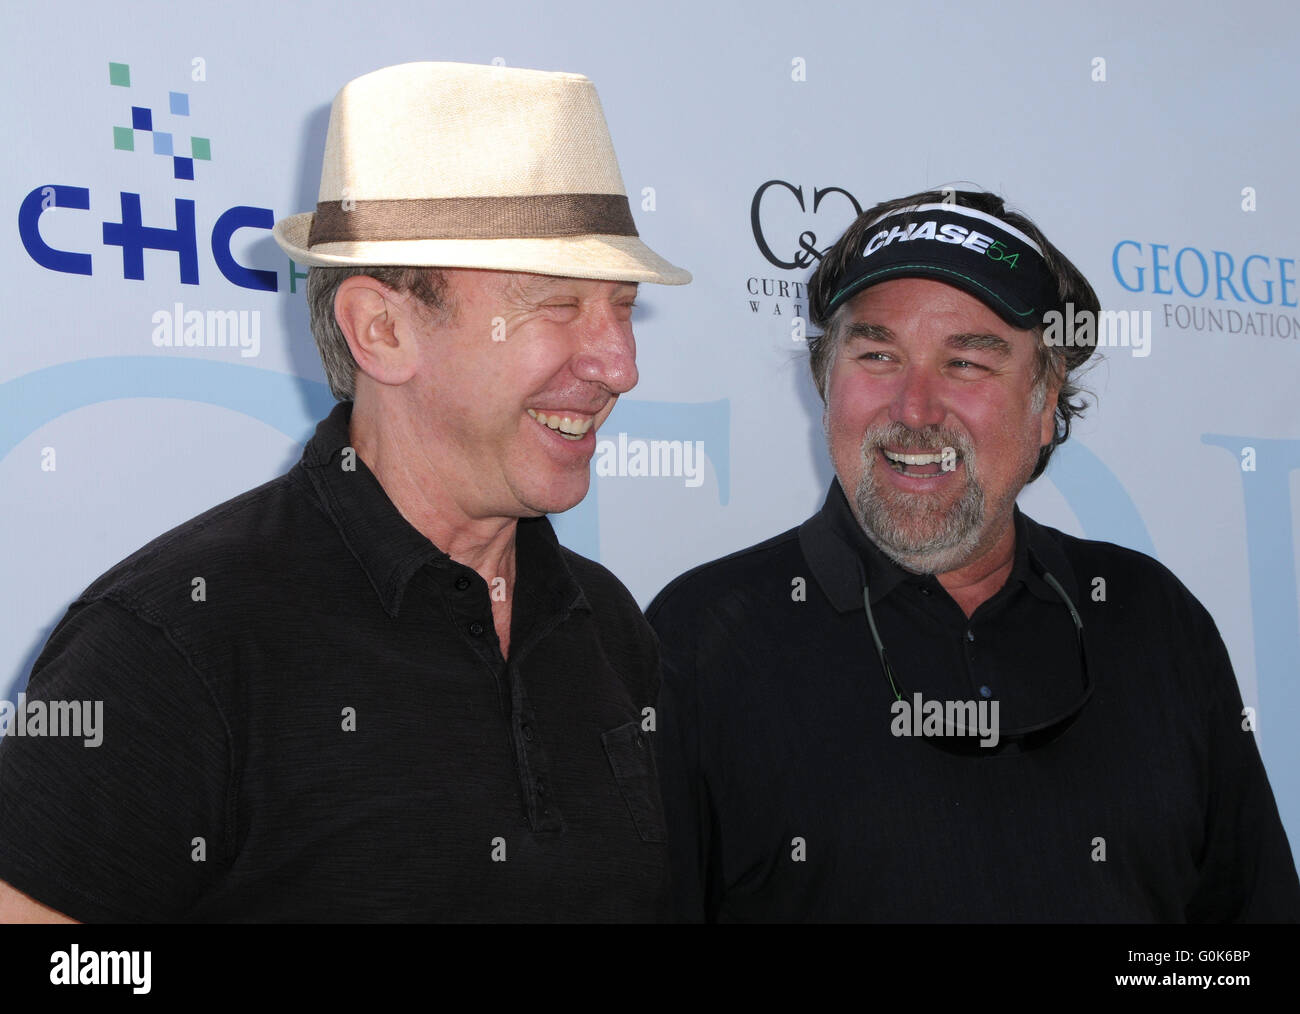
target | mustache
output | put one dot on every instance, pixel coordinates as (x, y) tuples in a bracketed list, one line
[(899, 437)]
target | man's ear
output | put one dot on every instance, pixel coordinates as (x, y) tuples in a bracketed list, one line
[(376, 322), (1047, 419)]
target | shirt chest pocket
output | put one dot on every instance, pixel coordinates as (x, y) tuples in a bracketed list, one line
[(632, 761)]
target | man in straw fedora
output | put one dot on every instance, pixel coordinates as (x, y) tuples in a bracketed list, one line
[(398, 697)]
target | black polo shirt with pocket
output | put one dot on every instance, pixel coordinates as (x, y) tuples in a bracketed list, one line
[(795, 791), (307, 717)]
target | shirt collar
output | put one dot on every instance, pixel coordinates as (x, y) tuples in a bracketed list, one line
[(1043, 549), (840, 555), (389, 548)]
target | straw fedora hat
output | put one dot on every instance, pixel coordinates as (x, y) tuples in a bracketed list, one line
[(461, 165)]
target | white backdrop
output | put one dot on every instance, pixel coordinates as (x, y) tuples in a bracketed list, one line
[(1145, 143)]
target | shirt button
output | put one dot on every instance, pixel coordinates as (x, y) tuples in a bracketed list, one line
[(986, 693), (970, 635), (462, 583), (528, 733), (541, 788), (925, 591), (476, 629)]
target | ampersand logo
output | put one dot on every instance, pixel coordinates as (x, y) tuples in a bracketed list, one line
[(783, 217)]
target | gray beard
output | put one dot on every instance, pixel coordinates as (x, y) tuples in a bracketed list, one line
[(915, 530)]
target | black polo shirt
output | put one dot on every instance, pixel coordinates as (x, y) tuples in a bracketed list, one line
[(791, 794), (307, 717)]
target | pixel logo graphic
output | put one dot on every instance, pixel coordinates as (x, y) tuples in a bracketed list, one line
[(178, 104)]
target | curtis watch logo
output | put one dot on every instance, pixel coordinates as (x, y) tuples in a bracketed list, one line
[(775, 218)]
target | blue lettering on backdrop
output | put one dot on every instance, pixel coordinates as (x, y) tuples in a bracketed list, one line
[(29, 216), (1138, 269), (1270, 555), (1099, 500), (1254, 274), (236, 218), (134, 237), (1159, 268)]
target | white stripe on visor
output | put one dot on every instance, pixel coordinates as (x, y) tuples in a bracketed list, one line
[(958, 209)]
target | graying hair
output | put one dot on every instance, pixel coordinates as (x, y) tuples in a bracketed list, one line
[(428, 285)]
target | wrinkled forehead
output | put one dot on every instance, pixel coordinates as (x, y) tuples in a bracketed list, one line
[(528, 288)]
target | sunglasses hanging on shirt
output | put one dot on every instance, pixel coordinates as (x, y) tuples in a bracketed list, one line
[(961, 740)]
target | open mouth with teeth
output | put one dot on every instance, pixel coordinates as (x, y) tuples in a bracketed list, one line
[(922, 464), (568, 427)]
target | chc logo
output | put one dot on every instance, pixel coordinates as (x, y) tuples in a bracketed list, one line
[(134, 237), (806, 251), (167, 133)]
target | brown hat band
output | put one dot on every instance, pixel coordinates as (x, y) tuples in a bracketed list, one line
[(515, 217)]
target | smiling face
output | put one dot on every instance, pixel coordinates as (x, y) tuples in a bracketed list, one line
[(933, 421), (507, 398)]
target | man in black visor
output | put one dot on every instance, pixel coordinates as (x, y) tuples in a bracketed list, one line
[(921, 705)]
